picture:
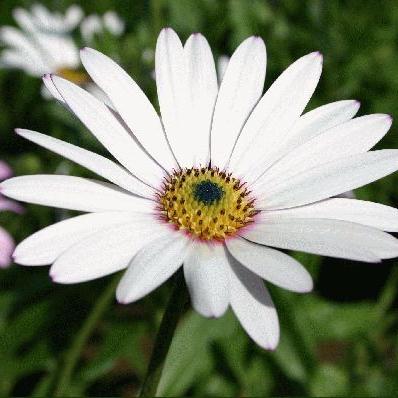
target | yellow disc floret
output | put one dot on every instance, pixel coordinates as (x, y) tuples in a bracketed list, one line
[(207, 203), (75, 76)]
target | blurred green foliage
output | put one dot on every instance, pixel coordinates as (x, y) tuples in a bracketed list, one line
[(340, 340)]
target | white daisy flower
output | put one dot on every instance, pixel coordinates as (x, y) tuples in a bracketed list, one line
[(43, 44), (95, 24), (224, 178)]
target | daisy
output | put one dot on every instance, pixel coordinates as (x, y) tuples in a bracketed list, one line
[(7, 244), (44, 43), (216, 184)]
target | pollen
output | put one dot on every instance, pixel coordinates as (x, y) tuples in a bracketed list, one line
[(207, 203), (75, 76)]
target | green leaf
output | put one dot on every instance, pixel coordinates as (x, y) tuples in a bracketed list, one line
[(329, 381), (24, 326), (190, 356)]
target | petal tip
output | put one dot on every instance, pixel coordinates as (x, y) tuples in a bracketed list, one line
[(258, 40), (308, 289), (319, 56), (315, 56), (166, 30), (121, 300), (273, 344), (47, 77), (52, 277)]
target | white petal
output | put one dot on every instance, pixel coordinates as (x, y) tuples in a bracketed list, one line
[(60, 51), (206, 273), (114, 23), (43, 17), (253, 306), (271, 265), (327, 180), (222, 64), (24, 19), (48, 82), (171, 81), (17, 59), (21, 42), (131, 103), (309, 126), (105, 252), (153, 265), (96, 163), (240, 89), (90, 26), (332, 238), (73, 193), (73, 16), (321, 119), (46, 245), (359, 211), (187, 88), (98, 93), (355, 136), (202, 93), (277, 112), (100, 120)]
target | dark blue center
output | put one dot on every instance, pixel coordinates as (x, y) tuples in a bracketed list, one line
[(207, 192)]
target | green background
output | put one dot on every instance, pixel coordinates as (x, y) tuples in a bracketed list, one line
[(340, 340)]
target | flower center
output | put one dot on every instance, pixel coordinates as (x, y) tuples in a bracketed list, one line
[(207, 203), (75, 76), (207, 192)]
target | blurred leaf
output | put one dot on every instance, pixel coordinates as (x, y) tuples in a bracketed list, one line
[(329, 381), (288, 357), (328, 320), (247, 370), (189, 356), (24, 326), (120, 342)]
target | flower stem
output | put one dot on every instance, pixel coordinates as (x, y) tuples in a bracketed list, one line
[(175, 308), (73, 354)]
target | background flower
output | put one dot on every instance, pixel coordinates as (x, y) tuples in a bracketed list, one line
[(339, 340), (94, 25), (7, 243), (45, 42)]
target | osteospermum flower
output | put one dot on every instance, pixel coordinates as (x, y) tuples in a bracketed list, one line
[(215, 184), (7, 244), (44, 42)]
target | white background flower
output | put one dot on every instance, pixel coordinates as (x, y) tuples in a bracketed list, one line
[(43, 44), (293, 165), (95, 24)]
